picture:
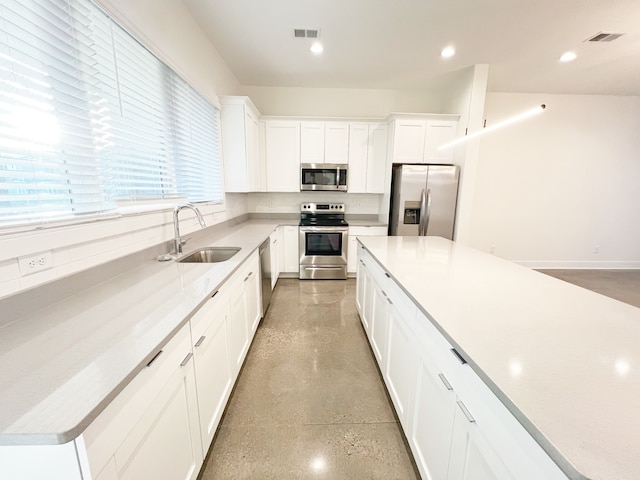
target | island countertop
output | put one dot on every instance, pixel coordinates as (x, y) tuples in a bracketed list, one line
[(564, 360), (60, 366)]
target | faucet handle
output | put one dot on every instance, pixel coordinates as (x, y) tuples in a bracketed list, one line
[(184, 241)]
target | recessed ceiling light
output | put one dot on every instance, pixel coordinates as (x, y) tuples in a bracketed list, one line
[(568, 57), (448, 52), (316, 48)]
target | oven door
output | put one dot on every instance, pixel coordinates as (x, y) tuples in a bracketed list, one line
[(323, 252)]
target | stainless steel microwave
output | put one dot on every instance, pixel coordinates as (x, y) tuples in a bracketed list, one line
[(323, 176)]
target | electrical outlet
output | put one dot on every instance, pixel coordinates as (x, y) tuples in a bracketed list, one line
[(492, 249), (35, 263), (596, 249)]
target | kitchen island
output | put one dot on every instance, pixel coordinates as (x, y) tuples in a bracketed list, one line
[(559, 359)]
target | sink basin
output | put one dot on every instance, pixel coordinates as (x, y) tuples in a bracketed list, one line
[(210, 255)]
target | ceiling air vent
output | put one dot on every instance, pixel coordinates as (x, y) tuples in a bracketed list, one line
[(604, 37), (306, 32)]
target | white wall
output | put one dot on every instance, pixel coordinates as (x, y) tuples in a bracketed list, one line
[(551, 189), (361, 204)]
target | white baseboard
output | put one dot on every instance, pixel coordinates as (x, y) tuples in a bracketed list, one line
[(579, 265)]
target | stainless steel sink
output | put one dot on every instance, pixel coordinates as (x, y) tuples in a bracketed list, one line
[(210, 255)]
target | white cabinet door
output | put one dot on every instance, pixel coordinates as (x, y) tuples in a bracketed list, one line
[(336, 142), (408, 141), (291, 256), (402, 361), (237, 331), (311, 142), (275, 257), (253, 297), (212, 366), (165, 442), (240, 144), (282, 151), (472, 457), (438, 133), (254, 172), (433, 414), (378, 140), (379, 323), (358, 148)]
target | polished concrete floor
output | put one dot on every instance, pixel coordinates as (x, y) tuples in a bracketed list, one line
[(623, 285), (309, 402)]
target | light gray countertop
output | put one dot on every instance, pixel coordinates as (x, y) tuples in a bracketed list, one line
[(577, 383), (61, 365)]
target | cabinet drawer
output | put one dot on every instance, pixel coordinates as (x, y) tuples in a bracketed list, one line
[(207, 313), (110, 428)]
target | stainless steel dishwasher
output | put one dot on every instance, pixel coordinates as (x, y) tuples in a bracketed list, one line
[(265, 274)]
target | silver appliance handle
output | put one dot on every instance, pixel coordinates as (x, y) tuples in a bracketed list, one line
[(426, 222), (337, 177), (325, 229), (422, 226)]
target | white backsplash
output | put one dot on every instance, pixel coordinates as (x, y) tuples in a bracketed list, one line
[(361, 204)]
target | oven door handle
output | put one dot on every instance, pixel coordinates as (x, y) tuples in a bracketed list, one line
[(324, 229)]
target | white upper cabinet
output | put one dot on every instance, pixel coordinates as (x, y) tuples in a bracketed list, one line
[(417, 140), (367, 157), (324, 142), (312, 142), (240, 144), (336, 142), (439, 132), (282, 152)]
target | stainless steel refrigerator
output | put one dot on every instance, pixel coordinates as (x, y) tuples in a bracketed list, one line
[(423, 200)]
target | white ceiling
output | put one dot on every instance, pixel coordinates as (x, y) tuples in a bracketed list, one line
[(396, 43)]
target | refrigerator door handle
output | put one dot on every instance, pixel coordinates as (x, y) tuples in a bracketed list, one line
[(426, 222), (422, 227)]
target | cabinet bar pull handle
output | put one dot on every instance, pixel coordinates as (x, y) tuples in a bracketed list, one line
[(445, 381), (214, 293), (466, 412), (383, 293), (200, 340), (246, 278), (387, 275), (186, 359), (154, 358), (389, 300), (458, 356)]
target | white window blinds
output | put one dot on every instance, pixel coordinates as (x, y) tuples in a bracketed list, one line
[(89, 117)]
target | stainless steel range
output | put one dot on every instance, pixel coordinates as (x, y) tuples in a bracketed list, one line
[(324, 235)]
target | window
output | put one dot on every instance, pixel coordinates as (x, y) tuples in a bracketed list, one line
[(89, 117)]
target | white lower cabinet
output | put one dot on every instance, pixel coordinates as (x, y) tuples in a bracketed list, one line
[(274, 238), (165, 443), (455, 425), (352, 247), (212, 362), (290, 256), (378, 336), (245, 310), (401, 363)]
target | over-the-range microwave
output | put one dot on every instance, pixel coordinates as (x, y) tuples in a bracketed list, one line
[(323, 176)]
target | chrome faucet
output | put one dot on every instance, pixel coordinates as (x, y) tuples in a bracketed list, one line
[(179, 243)]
